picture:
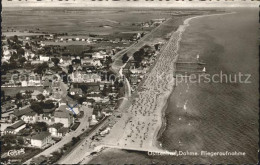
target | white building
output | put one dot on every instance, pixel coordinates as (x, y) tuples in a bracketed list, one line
[(64, 117), (30, 117), (41, 139), (44, 58)]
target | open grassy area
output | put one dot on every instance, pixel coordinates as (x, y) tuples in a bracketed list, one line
[(81, 20), (12, 91)]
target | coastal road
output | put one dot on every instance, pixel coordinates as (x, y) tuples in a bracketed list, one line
[(84, 148), (117, 58)]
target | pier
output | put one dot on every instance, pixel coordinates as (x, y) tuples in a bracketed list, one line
[(184, 68), (128, 148)]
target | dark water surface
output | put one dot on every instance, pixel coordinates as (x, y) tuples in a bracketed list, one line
[(218, 117)]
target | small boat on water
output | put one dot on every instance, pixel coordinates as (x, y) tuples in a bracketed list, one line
[(204, 69), (198, 56), (184, 107)]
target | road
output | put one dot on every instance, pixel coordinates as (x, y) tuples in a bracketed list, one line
[(67, 138), (117, 58), (77, 154)]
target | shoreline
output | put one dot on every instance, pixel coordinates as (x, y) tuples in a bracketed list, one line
[(163, 96), (186, 23)]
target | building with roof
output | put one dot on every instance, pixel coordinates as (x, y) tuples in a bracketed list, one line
[(57, 130), (15, 128), (64, 117), (41, 139), (30, 117), (35, 93), (44, 58), (21, 112), (76, 91)]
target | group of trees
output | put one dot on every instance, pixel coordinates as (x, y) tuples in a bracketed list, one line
[(41, 68), (39, 126), (39, 106), (125, 58), (140, 54)]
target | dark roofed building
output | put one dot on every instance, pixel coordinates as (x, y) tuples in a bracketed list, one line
[(15, 128), (19, 113), (65, 117)]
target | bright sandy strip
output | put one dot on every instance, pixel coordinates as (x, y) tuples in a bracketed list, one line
[(139, 127)]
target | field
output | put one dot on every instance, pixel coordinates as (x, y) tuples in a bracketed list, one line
[(80, 21), (12, 91)]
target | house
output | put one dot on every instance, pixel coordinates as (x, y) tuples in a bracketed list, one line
[(57, 130), (65, 60), (97, 63), (86, 61), (44, 58), (24, 83), (47, 83), (47, 92), (68, 107), (93, 120), (93, 89), (20, 113), (98, 55), (31, 117), (47, 115), (34, 94), (64, 117), (96, 97), (41, 139), (8, 106), (34, 80), (85, 77), (15, 128), (76, 91)]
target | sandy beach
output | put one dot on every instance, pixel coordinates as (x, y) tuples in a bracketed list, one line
[(141, 123)]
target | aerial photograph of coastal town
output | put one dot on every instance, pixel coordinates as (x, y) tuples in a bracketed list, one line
[(129, 82)]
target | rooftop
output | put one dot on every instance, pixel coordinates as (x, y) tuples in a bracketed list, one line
[(16, 125), (22, 112), (40, 135), (62, 114)]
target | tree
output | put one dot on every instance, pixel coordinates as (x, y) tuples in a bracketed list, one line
[(18, 96), (20, 52), (75, 140), (55, 60), (81, 99), (70, 70), (156, 46), (40, 97), (22, 60), (83, 87), (36, 107), (27, 46), (48, 104), (2, 95), (40, 126), (15, 39), (125, 58), (105, 90), (109, 59), (137, 57), (41, 68), (20, 140)]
